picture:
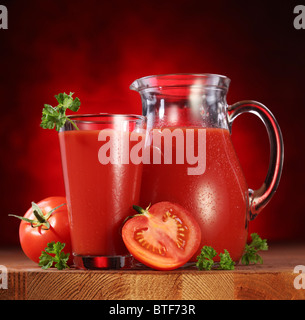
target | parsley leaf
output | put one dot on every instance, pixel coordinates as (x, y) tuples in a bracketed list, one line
[(53, 254), (226, 263), (205, 259), (56, 116), (250, 253)]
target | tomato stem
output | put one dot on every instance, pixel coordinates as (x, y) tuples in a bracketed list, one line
[(39, 216), (41, 219), (139, 209)]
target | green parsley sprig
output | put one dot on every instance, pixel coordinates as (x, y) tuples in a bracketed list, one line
[(226, 262), (205, 261), (56, 116), (53, 254), (250, 253)]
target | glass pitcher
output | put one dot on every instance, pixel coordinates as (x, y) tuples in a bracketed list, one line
[(188, 113)]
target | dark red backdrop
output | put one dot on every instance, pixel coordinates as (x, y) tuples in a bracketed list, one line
[(97, 48)]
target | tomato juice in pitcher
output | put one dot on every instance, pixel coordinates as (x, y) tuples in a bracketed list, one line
[(213, 197), (217, 193)]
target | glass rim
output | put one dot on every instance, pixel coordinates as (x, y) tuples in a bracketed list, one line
[(210, 81), (203, 75), (112, 116)]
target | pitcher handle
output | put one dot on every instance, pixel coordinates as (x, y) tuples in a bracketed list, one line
[(259, 198)]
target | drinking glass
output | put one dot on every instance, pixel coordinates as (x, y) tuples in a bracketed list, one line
[(102, 184)]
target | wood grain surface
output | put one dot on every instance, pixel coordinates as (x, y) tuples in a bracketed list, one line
[(274, 280)]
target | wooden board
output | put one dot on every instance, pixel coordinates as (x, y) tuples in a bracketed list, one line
[(272, 280)]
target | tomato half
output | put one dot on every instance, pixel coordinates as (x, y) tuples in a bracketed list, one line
[(164, 237), (34, 239)]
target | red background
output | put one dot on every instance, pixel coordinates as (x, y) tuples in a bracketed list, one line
[(97, 48)]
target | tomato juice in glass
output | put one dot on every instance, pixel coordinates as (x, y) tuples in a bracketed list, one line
[(213, 197), (100, 188)]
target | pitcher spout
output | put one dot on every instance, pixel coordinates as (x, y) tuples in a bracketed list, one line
[(135, 86)]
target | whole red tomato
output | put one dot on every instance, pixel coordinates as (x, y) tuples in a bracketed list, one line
[(42, 224)]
